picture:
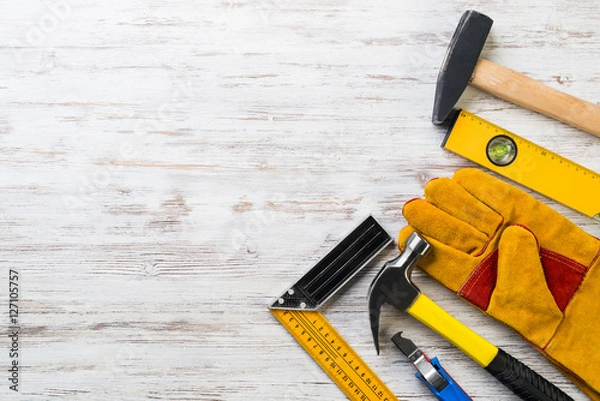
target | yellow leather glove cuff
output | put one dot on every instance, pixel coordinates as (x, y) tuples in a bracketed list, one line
[(517, 260)]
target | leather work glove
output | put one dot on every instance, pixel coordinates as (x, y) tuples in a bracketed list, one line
[(517, 260)]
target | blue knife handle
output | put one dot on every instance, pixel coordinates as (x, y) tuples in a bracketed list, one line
[(452, 392)]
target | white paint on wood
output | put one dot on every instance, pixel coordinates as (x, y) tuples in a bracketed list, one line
[(167, 168)]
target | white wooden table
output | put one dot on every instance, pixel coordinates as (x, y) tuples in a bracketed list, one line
[(168, 167)]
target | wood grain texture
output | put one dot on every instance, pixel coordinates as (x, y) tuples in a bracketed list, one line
[(167, 168)]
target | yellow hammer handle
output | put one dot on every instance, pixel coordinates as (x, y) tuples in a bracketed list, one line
[(446, 325)]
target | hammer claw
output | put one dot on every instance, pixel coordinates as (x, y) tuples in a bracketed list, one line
[(375, 331), (392, 284), (379, 294), (375, 304)]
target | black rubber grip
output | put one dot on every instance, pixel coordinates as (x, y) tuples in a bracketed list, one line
[(523, 381)]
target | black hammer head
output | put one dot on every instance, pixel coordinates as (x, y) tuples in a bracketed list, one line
[(393, 284), (458, 65)]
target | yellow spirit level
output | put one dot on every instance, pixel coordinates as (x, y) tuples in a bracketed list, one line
[(525, 162)]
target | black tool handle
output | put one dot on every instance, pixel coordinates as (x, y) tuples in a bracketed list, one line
[(523, 381)]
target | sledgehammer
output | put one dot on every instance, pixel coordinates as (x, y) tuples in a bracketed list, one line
[(393, 285), (462, 66)]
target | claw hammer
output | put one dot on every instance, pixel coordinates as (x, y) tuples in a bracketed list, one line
[(393, 285)]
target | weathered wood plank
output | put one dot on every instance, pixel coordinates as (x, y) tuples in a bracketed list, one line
[(168, 167)]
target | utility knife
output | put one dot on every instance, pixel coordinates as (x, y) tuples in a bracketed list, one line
[(430, 371)]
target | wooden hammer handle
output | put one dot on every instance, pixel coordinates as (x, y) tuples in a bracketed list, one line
[(527, 92)]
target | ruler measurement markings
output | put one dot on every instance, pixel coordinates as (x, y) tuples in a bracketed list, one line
[(536, 148), (335, 356), (534, 166), (335, 350), (309, 327)]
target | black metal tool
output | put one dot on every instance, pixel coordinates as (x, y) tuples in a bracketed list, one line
[(337, 267)]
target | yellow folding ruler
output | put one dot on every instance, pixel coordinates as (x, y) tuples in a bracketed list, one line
[(333, 354), (525, 162), (297, 311)]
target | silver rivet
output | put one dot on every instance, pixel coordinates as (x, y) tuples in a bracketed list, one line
[(291, 291)]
